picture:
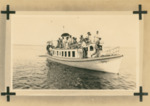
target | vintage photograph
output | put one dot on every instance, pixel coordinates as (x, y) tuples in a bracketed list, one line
[(78, 52)]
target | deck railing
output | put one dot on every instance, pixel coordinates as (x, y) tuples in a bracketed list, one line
[(112, 51)]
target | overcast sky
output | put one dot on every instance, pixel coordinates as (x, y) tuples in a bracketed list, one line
[(115, 30)]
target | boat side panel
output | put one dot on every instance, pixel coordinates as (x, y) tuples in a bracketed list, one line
[(109, 65)]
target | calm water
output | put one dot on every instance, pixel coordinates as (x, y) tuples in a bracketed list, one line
[(33, 72)]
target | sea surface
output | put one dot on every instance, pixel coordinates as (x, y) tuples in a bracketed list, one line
[(33, 71)]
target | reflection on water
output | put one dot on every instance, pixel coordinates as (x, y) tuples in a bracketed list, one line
[(33, 72), (66, 77)]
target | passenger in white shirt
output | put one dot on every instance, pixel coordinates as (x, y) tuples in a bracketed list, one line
[(66, 43), (84, 48), (70, 41), (91, 39), (84, 44)]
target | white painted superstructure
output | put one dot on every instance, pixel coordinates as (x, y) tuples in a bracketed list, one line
[(73, 57)]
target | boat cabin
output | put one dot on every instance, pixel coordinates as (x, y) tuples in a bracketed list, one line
[(73, 53)]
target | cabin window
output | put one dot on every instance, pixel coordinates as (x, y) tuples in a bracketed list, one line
[(73, 53), (57, 53), (68, 53), (65, 54), (91, 48), (62, 53)]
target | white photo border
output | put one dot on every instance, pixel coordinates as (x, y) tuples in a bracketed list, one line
[(8, 59)]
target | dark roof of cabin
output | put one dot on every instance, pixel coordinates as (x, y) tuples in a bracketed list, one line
[(65, 34)]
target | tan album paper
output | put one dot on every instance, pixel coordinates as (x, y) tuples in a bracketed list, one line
[(74, 55)]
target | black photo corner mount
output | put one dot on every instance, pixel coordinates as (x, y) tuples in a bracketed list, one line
[(141, 94), (8, 94), (8, 12), (140, 12)]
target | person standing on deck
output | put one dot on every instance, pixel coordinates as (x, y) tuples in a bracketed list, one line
[(84, 48), (81, 38), (70, 41), (67, 43), (58, 43), (61, 44), (64, 41), (89, 37), (49, 47), (96, 36), (98, 47)]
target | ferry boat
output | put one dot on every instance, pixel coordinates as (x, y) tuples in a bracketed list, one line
[(108, 61)]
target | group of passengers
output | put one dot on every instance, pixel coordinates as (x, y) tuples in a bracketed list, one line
[(66, 42), (88, 40), (69, 42)]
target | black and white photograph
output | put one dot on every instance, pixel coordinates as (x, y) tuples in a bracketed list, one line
[(75, 52)]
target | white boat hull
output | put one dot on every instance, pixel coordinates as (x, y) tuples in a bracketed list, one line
[(111, 64)]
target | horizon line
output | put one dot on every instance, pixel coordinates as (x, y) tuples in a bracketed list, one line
[(44, 45)]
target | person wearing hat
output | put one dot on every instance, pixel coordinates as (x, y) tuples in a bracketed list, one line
[(89, 37), (67, 43), (98, 47), (64, 42), (81, 38), (74, 40), (60, 43), (84, 48), (49, 46), (70, 41)]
